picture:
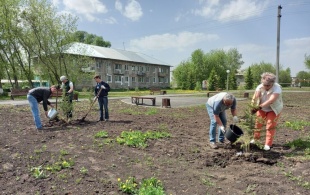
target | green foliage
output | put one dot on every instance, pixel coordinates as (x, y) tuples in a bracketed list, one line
[(212, 81), (300, 143), (65, 105), (130, 186), (198, 86), (199, 67), (38, 172), (297, 125), (101, 134), (150, 186), (258, 69), (303, 77), (285, 79), (83, 170), (249, 84), (138, 138), (92, 39), (232, 81)]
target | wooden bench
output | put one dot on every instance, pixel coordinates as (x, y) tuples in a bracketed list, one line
[(58, 93), (157, 89), (18, 92), (24, 92), (136, 100)]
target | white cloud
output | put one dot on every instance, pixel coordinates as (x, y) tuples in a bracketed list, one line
[(171, 41), (89, 8), (118, 6), (132, 10), (233, 10), (298, 43), (110, 20)]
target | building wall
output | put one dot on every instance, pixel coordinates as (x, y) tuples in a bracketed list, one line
[(124, 75)]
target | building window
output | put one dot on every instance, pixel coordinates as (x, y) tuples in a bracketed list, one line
[(133, 79), (98, 65), (108, 67), (147, 79), (140, 68), (141, 79), (147, 69), (126, 67), (109, 78), (161, 80), (133, 68), (126, 79), (117, 78), (118, 67), (154, 80)]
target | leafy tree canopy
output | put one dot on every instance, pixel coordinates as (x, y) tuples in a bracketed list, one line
[(91, 39)]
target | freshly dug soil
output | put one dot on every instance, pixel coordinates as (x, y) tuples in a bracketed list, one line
[(183, 162)]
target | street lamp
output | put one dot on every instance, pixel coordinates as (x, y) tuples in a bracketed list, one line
[(228, 71)]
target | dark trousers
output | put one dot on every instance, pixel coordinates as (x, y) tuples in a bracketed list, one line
[(103, 104)]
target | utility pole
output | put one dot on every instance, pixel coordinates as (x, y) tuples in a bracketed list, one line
[(278, 43)]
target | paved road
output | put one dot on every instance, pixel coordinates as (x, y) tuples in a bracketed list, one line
[(177, 100)]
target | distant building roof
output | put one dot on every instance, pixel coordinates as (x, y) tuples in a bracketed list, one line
[(109, 53)]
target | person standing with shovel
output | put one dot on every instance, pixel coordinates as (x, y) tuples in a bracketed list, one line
[(101, 92)]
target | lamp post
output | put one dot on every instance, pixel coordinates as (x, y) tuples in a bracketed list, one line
[(227, 71)]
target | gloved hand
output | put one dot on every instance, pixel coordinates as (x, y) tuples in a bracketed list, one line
[(254, 110), (102, 87), (235, 119), (222, 128)]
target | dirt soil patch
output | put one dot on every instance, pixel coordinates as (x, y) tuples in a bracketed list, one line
[(183, 162)]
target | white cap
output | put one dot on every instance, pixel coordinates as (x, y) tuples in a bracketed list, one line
[(62, 78)]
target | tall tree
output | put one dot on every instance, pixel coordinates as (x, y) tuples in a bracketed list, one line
[(249, 83), (213, 81), (259, 69), (285, 79)]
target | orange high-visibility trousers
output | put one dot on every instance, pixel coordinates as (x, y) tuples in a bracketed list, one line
[(270, 119)]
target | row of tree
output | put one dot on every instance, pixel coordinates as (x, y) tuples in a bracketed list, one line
[(32, 32), (210, 66), (217, 66)]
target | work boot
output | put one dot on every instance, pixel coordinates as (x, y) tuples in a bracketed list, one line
[(213, 145)]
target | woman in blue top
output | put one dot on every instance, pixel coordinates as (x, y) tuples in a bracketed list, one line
[(216, 106)]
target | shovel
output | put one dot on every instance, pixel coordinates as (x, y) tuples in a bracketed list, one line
[(83, 119)]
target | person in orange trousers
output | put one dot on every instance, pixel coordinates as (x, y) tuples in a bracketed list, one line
[(268, 101)]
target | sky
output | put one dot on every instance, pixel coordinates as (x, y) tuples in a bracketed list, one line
[(171, 30)]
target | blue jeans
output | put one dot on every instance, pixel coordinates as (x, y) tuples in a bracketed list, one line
[(213, 125), (103, 103), (35, 110)]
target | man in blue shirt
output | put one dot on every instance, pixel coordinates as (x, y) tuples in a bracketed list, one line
[(102, 91), (216, 107)]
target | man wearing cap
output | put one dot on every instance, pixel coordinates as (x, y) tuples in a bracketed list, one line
[(37, 95), (67, 87), (216, 106)]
